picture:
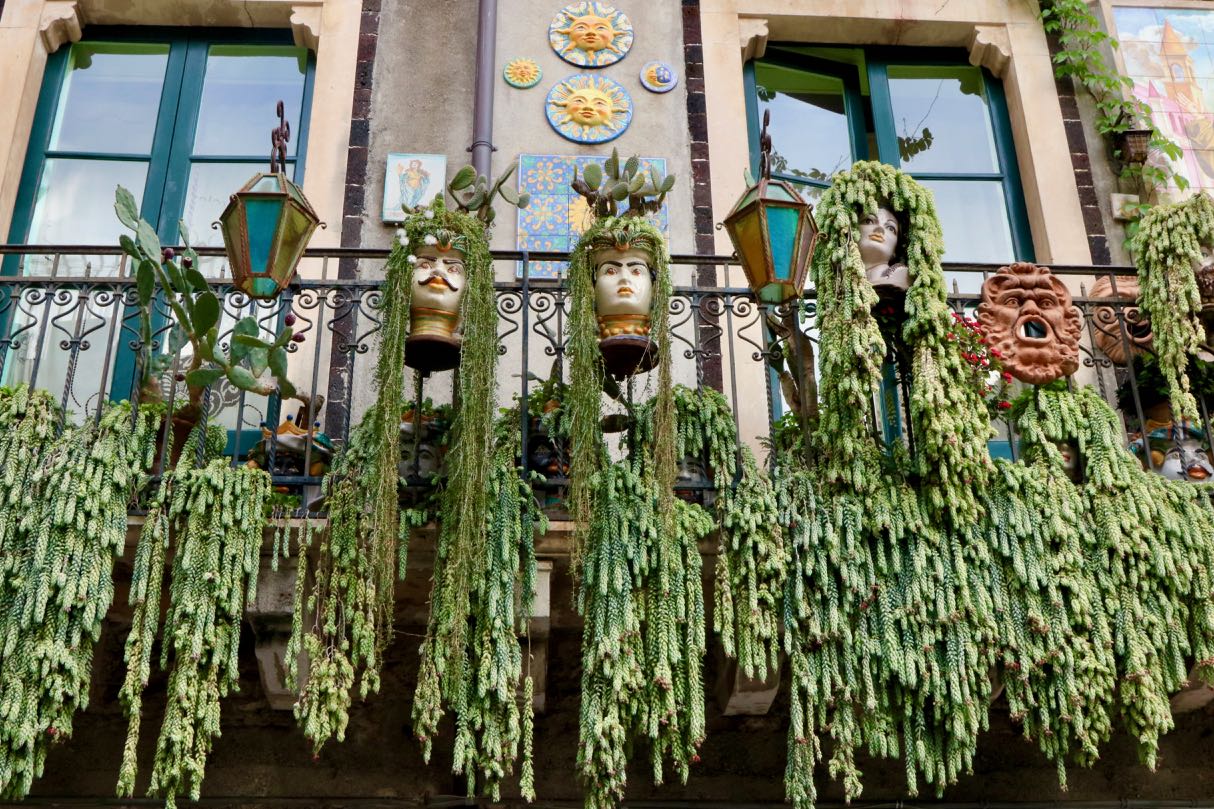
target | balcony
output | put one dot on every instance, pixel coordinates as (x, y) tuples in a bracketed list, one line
[(68, 324)]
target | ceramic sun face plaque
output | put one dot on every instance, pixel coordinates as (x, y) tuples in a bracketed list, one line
[(658, 77), (589, 109), (590, 34), (522, 73), (1029, 317)]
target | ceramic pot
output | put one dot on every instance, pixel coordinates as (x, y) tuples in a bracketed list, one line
[(439, 279)]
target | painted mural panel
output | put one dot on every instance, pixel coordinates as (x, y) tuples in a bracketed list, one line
[(1169, 55)]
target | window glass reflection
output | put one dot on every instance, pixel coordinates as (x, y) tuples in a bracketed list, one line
[(110, 98), (808, 129), (941, 120), (974, 218), (242, 87)]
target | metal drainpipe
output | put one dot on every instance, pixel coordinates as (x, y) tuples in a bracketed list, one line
[(482, 105)]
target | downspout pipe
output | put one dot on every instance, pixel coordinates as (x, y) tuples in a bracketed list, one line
[(482, 105)]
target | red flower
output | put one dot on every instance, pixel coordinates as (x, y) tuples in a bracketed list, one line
[(1007, 377), (1004, 405)]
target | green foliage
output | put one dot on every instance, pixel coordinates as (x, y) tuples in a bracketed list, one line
[(1168, 246), (196, 312), (606, 186), (643, 637), (473, 193), (471, 660), (214, 516), (365, 548), (56, 578), (1150, 552)]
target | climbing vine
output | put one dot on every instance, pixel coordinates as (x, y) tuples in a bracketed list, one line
[(1168, 248), (58, 567), (1082, 59)]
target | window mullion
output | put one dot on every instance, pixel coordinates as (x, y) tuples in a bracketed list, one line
[(177, 161), (162, 140), (883, 113)]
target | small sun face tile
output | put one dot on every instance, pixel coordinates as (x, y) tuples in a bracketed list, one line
[(522, 73)]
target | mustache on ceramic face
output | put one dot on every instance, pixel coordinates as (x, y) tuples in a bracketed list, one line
[(435, 278)]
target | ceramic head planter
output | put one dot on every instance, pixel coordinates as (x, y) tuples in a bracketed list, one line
[(1108, 333), (1029, 318), (439, 275), (880, 237), (623, 274)]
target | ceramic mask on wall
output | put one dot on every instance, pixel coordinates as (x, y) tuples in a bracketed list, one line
[(623, 291), (879, 235), (438, 285), (1029, 319)]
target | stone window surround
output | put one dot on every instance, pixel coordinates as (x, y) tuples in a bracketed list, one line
[(30, 30), (1004, 37)]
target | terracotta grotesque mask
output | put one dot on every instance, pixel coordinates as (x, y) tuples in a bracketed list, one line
[(1107, 329), (1028, 316), (879, 235), (623, 291), (438, 279)]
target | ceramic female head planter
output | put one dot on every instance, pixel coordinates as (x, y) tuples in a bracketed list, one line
[(623, 289), (1029, 318), (880, 233)]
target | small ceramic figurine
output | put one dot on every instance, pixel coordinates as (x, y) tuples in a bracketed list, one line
[(1177, 452), (879, 234), (623, 291), (1030, 320), (1070, 460)]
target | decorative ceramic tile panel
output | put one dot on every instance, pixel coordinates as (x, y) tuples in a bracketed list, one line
[(1169, 55), (557, 215)]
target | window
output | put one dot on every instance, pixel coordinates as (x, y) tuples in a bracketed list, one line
[(182, 119), (929, 113)]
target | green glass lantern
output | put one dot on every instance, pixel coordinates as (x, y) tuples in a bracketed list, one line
[(773, 231), (267, 225)]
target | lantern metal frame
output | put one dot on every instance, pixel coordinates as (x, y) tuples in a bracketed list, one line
[(292, 205), (758, 201)]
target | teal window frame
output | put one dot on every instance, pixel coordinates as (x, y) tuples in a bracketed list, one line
[(171, 153)]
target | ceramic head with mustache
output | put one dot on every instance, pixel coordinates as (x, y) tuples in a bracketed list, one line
[(439, 273), (1029, 318)]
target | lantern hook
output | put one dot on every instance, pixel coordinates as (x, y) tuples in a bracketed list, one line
[(279, 136), (765, 148)]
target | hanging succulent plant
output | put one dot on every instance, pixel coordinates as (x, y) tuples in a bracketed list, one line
[(471, 660), (365, 548), (214, 515), (1168, 247), (57, 579)]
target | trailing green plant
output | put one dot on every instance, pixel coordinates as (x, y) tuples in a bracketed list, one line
[(1168, 247), (1150, 547), (751, 571), (1053, 641), (214, 516), (57, 569), (196, 314), (30, 420), (476, 590), (886, 617), (643, 636), (365, 548), (1081, 58)]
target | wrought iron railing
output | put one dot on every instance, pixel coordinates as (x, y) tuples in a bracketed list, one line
[(68, 324)]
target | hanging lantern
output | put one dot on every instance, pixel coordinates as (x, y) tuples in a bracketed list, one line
[(773, 231), (267, 225)]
